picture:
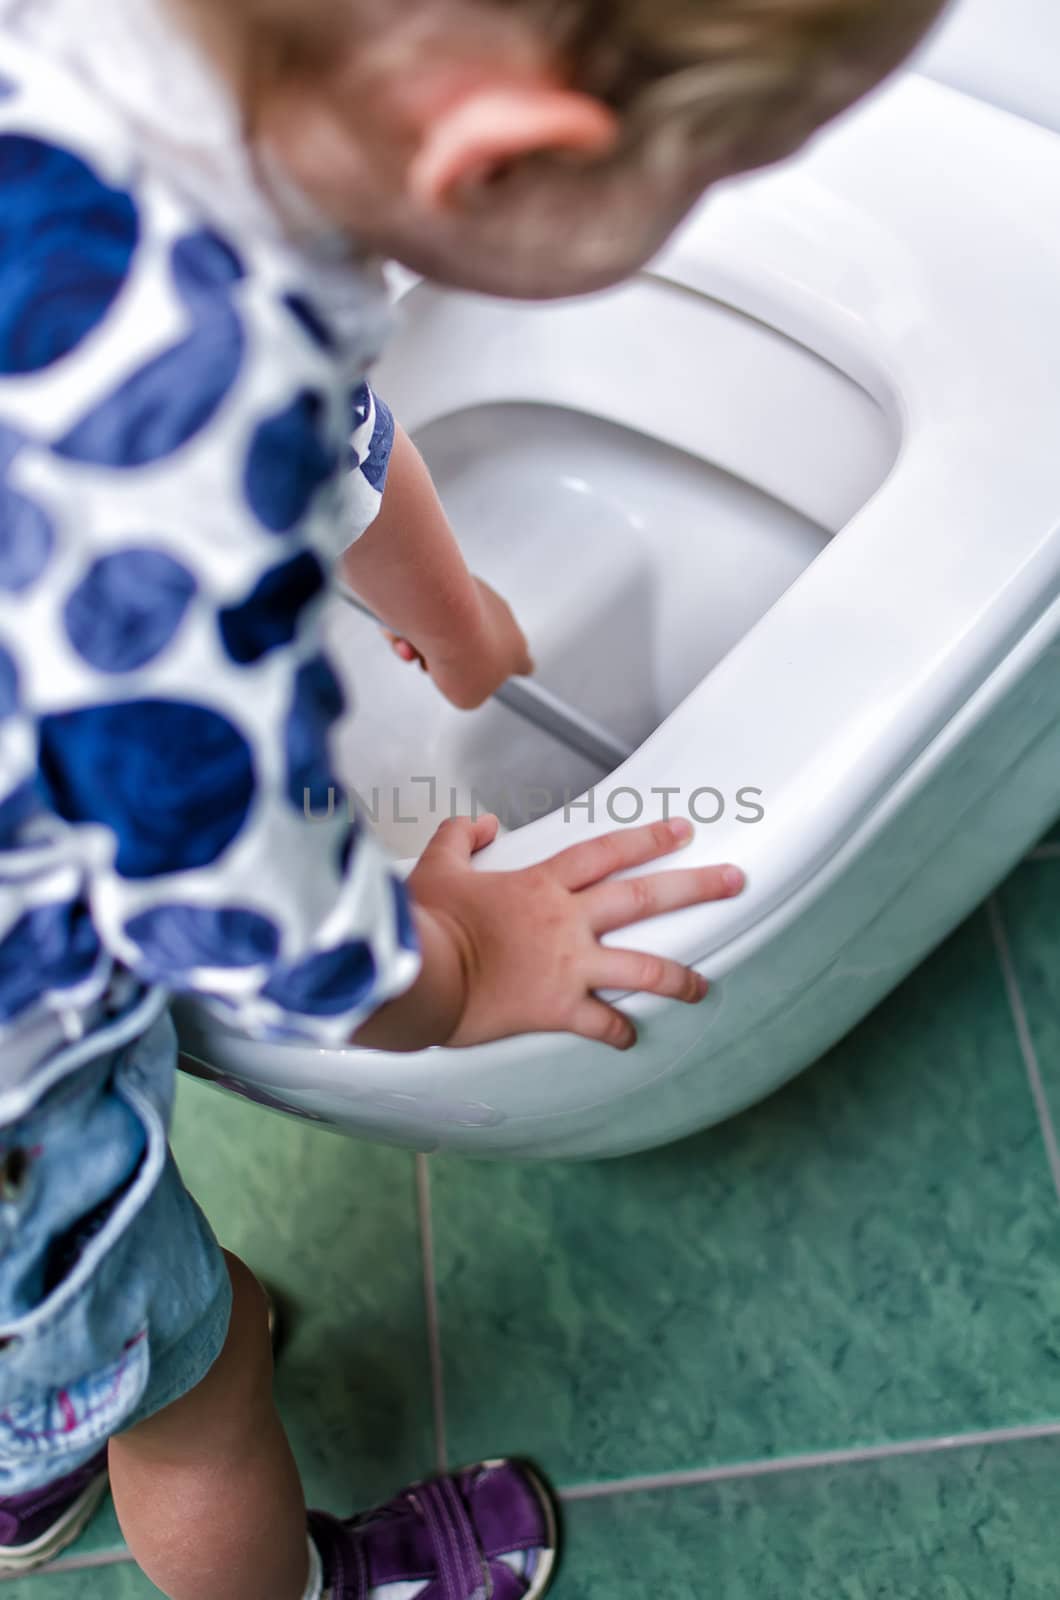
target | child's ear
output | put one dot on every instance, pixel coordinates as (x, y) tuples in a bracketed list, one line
[(490, 128)]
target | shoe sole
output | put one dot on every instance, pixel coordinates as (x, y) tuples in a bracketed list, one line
[(24, 1557)]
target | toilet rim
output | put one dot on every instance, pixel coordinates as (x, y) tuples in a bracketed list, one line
[(833, 747), (877, 250)]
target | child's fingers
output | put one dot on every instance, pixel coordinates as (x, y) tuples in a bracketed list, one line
[(486, 829), (593, 1019), (525, 665), (405, 651), (622, 902), (583, 864), (642, 973), (460, 838)]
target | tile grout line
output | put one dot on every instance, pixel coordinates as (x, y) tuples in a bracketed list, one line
[(430, 1302), (734, 1472), (812, 1461), (1026, 1042)]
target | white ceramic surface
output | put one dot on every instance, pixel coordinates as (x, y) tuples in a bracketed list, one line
[(803, 475), (1003, 51)]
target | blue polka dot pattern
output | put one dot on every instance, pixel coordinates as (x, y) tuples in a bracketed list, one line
[(290, 460), (16, 809), (328, 984), (360, 406), (150, 764), (66, 246), (177, 939), (50, 947), (318, 704), (203, 263), (169, 400), (347, 847), (408, 938), (173, 781), (128, 608), (8, 683), (11, 442), (310, 321), (269, 617), (27, 537), (377, 462)]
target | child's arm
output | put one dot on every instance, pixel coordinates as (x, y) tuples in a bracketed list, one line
[(513, 952), (409, 569)]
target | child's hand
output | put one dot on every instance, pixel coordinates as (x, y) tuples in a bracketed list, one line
[(519, 952), (469, 670)]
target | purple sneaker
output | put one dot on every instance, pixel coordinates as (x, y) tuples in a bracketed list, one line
[(35, 1526), (486, 1533)]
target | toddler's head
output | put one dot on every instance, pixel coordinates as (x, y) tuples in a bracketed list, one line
[(540, 147)]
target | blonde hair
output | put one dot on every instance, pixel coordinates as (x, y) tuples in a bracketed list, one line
[(712, 73), (716, 72)]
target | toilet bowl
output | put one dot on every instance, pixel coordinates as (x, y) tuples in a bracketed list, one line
[(784, 515)]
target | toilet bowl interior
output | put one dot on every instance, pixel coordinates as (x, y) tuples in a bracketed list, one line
[(642, 475)]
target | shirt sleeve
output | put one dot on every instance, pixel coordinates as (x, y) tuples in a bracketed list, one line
[(172, 650), (371, 443)]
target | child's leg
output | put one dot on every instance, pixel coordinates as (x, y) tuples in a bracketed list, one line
[(206, 1490)]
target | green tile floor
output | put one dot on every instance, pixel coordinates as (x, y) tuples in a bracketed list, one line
[(812, 1353)]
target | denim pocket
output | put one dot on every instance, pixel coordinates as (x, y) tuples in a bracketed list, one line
[(74, 1348)]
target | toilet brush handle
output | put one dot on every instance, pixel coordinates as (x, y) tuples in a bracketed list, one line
[(545, 710), (571, 727)]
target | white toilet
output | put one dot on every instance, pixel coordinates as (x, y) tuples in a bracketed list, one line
[(784, 514)]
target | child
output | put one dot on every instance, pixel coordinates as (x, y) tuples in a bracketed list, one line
[(192, 195)]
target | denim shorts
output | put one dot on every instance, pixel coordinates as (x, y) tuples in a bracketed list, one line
[(114, 1295)]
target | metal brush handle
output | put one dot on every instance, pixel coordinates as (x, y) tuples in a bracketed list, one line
[(543, 709)]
